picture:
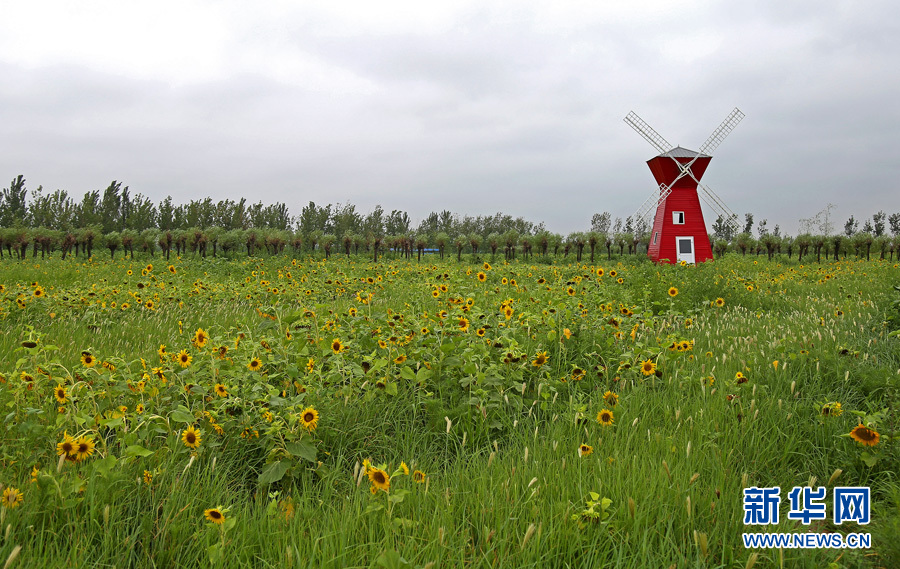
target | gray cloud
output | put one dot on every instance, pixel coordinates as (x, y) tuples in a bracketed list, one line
[(492, 111)]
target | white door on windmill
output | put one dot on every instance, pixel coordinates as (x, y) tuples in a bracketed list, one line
[(685, 249)]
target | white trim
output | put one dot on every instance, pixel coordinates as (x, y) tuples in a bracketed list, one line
[(689, 257)]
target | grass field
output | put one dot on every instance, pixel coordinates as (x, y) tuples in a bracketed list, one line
[(284, 412)]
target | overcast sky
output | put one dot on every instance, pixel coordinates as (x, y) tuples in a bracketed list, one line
[(475, 107)]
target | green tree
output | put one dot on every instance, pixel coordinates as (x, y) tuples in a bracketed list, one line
[(13, 205)]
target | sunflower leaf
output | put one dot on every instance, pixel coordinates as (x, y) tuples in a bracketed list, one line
[(137, 450), (273, 472), (302, 449), (182, 415)]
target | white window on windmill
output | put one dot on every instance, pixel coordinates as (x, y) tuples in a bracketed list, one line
[(678, 217)]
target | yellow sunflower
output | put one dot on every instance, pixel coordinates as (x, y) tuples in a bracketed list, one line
[(220, 390), (12, 497), (380, 479), (605, 417), (336, 346), (184, 358), (585, 450), (191, 437), (540, 359), (214, 515), (648, 367), (612, 399), (673, 292), (864, 435), (255, 364), (200, 338), (60, 393), (66, 446), (84, 447), (309, 418), (88, 360)]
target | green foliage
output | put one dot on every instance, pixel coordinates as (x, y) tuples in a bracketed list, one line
[(474, 410)]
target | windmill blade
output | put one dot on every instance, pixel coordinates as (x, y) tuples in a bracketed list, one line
[(718, 135), (652, 203), (715, 202), (654, 138)]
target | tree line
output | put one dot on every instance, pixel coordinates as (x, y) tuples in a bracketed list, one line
[(117, 220)]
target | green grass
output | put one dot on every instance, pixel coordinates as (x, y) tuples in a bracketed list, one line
[(496, 436)]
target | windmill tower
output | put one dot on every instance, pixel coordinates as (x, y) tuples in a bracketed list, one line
[(679, 232)]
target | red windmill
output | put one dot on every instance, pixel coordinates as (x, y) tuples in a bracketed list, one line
[(679, 232)]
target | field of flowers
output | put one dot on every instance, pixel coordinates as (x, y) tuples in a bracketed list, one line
[(282, 412)]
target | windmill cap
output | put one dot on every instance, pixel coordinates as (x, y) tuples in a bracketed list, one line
[(679, 152)]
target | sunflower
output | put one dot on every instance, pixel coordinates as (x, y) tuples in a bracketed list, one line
[(400, 359), (750, 288), (480, 332), (740, 378), (336, 346), (864, 435), (404, 469), (648, 367), (599, 271), (39, 292), (172, 269), (673, 292), (612, 399), (87, 360), (309, 418), (84, 447), (12, 497), (424, 331), (139, 409), (570, 291), (184, 358), (720, 302), (66, 447), (613, 273), (162, 352), (463, 324), (214, 515), (585, 450), (255, 364), (200, 338), (418, 476), (578, 374), (540, 359), (605, 417), (380, 479), (60, 393), (191, 437), (832, 409), (481, 276), (486, 266), (221, 391), (620, 280)]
